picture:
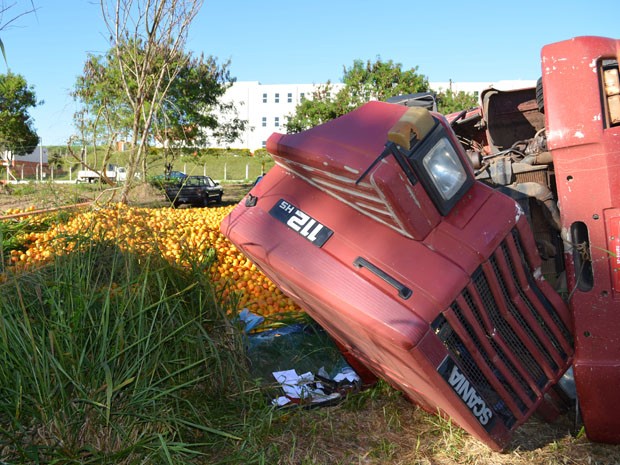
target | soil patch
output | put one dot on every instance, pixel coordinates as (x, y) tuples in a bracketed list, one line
[(50, 195)]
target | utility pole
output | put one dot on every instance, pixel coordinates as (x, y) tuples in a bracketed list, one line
[(40, 160)]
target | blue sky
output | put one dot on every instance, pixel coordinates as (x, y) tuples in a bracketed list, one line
[(300, 41)]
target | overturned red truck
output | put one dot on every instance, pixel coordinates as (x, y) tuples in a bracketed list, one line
[(471, 260)]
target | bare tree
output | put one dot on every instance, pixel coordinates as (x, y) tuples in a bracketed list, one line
[(148, 37), (14, 11)]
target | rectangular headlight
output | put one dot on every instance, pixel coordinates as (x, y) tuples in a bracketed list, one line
[(445, 168)]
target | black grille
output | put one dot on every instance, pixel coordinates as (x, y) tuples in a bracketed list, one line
[(505, 335), (472, 370)]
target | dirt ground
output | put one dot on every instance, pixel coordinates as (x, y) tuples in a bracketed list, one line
[(50, 195)]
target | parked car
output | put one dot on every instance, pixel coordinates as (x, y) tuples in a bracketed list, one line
[(195, 191)]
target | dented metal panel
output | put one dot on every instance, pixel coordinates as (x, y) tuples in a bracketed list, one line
[(585, 142)]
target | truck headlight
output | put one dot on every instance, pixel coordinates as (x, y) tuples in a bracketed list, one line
[(445, 169), (440, 169), (425, 143)]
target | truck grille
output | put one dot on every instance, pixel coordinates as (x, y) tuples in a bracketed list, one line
[(505, 335)]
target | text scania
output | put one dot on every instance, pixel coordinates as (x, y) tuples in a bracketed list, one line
[(469, 395)]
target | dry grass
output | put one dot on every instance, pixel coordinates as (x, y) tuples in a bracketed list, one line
[(387, 429)]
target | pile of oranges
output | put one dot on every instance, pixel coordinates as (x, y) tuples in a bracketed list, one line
[(180, 235), (16, 211)]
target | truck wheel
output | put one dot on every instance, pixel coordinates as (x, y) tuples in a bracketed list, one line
[(539, 95), (218, 199), (205, 200)]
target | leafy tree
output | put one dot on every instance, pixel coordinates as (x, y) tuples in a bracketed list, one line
[(147, 39), (104, 111), (146, 88), (189, 114), (368, 81), (324, 106), (449, 101), (381, 80), (362, 82), (16, 132), (184, 118), (104, 107)]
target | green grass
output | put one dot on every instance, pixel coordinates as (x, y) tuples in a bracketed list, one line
[(225, 168), (233, 166), (106, 357)]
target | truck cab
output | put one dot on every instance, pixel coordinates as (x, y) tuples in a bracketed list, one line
[(440, 252)]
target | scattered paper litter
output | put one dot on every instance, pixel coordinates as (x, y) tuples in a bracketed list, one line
[(348, 374), (303, 388), (298, 386), (281, 401)]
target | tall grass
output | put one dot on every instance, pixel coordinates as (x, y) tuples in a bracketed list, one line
[(107, 357)]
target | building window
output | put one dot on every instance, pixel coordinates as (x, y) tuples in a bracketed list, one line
[(302, 96), (289, 98), (264, 144), (264, 98), (277, 99), (277, 121), (264, 121)]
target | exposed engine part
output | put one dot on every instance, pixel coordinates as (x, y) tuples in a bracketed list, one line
[(539, 158), (426, 100), (500, 170), (475, 159), (544, 195), (546, 249), (532, 149)]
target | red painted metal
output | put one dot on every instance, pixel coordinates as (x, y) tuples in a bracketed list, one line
[(451, 310), (586, 156)]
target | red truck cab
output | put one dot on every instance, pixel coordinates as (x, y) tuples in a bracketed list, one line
[(469, 263), (375, 225)]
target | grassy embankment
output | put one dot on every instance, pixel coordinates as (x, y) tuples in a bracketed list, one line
[(231, 165)]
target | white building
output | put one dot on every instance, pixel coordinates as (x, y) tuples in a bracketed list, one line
[(267, 107)]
